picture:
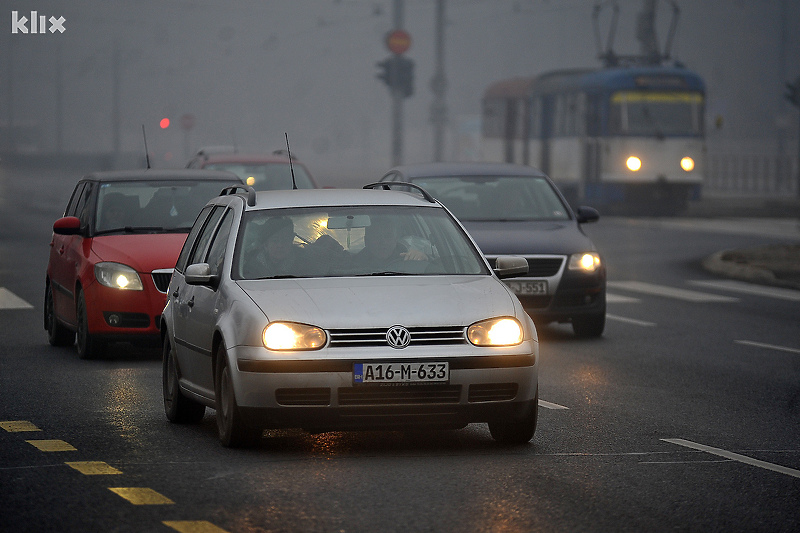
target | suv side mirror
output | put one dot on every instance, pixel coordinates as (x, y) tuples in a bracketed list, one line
[(510, 266), (587, 214), (200, 274), (67, 226)]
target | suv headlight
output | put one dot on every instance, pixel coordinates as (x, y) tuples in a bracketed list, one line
[(504, 331), (586, 262), (118, 276), (293, 336)]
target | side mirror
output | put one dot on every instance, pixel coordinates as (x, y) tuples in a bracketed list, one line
[(587, 214), (67, 226), (200, 274), (510, 266)]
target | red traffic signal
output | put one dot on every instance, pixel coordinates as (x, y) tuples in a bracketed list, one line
[(164, 123)]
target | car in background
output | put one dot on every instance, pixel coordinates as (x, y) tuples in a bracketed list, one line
[(516, 209), (344, 309), (263, 172), (113, 252)]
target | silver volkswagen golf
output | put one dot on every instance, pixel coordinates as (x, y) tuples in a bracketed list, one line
[(332, 309)]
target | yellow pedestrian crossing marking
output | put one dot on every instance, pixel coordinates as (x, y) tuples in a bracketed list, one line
[(14, 426), (193, 526), (141, 496), (52, 445), (93, 468)]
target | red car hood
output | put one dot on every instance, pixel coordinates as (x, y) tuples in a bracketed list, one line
[(144, 253)]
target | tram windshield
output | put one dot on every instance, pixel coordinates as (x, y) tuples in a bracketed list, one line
[(663, 114)]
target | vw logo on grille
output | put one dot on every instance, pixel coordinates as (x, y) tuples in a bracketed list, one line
[(398, 337)]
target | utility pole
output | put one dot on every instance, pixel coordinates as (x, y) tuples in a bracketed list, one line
[(439, 87)]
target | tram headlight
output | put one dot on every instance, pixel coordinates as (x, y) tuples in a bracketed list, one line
[(634, 163), (687, 164)]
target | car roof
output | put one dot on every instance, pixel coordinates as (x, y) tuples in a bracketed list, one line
[(248, 158), (421, 170), (149, 174), (338, 197)]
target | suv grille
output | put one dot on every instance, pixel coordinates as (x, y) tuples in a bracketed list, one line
[(539, 267), (421, 336), (161, 279)]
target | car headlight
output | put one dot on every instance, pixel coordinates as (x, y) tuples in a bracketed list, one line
[(585, 262), (118, 276), (293, 336), (687, 164), (505, 331)]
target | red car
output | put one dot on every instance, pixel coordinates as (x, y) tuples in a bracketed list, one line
[(113, 251), (261, 171)]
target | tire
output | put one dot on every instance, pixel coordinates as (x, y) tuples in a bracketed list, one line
[(516, 432), (57, 335), (589, 326), (233, 431), (178, 408), (89, 347)]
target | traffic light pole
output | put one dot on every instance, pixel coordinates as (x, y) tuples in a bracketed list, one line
[(397, 98)]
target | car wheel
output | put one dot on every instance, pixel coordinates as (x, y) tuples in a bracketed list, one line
[(57, 335), (178, 408), (233, 431), (517, 431), (89, 347), (590, 325)]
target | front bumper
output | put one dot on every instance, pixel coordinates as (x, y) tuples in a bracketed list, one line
[(321, 395)]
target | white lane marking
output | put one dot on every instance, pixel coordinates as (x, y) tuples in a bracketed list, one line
[(670, 292), (630, 320), (9, 300), (750, 288), (770, 346), (619, 299), (735, 457), (548, 405)]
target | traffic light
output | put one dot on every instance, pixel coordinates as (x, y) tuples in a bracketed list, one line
[(397, 73), (405, 76), (164, 123), (793, 92)]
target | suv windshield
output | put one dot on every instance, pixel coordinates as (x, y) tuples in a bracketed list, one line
[(352, 241), (152, 206), (497, 198)]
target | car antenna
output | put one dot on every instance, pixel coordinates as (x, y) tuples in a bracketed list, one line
[(146, 153), (291, 168)]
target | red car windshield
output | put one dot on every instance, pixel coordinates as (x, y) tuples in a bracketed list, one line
[(152, 206)]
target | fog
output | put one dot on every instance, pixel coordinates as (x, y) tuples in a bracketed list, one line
[(250, 71)]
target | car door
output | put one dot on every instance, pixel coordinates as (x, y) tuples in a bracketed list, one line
[(189, 350), (202, 316), (66, 253)]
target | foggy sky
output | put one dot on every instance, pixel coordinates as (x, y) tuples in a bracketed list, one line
[(250, 70)]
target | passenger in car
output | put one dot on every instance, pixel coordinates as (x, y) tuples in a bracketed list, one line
[(383, 248)]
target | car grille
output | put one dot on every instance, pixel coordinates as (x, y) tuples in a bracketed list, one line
[(492, 392), (539, 267), (161, 279), (420, 394), (421, 336)]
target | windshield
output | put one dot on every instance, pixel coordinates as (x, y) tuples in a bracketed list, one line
[(267, 176), (352, 241), (152, 206), (656, 114), (497, 198)]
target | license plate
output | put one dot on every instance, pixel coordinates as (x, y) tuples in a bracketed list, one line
[(433, 372), (528, 287)]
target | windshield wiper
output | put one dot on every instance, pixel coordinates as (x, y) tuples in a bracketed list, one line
[(385, 273)]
